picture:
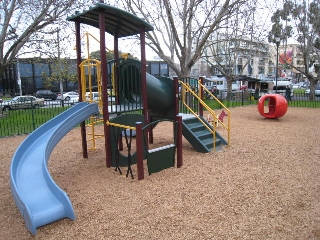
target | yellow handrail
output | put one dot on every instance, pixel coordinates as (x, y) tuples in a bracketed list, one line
[(86, 81), (221, 104), (120, 125), (186, 88)]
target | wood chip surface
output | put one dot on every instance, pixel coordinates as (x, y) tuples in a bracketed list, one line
[(266, 185)]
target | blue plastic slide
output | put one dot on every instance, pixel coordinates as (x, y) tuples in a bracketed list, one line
[(38, 197)]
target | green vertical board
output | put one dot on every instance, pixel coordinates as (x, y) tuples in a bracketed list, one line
[(160, 158)]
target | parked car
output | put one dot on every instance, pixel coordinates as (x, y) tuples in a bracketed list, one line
[(95, 97), (21, 102), (68, 95), (317, 91), (299, 85), (46, 94), (74, 100)]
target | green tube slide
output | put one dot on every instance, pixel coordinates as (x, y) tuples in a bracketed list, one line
[(160, 97)]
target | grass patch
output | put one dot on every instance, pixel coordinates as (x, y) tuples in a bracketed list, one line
[(23, 121), (299, 91), (305, 104), (215, 105)]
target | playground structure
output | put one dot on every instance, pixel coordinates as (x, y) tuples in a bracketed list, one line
[(140, 102), (277, 106)]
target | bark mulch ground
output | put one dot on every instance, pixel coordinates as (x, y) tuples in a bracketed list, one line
[(266, 185)]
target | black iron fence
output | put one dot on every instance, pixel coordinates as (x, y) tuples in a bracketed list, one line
[(296, 99), (25, 120)]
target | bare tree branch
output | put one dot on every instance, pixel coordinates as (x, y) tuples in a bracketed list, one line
[(24, 25), (182, 27)]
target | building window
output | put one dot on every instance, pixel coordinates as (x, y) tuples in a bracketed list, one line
[(216, 71), (261, 61), (155, 71), (39, 82), (25, 69), (261, 70), (164, 69), (41, 69)]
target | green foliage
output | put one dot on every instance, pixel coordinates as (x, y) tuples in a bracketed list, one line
[(299, 91), (109, 55), (215, 105), (314, 13), (278, 29), (96, 55), (62, 69), (301, 23), (294, 20)]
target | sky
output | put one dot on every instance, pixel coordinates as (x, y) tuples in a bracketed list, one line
[(265, 8), (126, 45), (263, 17)]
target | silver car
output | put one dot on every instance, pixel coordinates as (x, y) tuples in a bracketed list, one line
[(68, 96), (22, 102), (317, 91)]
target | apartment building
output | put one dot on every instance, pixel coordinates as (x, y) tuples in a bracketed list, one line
[(250, 58)]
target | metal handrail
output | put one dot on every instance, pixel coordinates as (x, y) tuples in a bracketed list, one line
[(187, 88), (223, 106)]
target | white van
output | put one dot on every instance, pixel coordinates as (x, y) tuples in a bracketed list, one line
[(96, 97), (93, 97), (220, 84)]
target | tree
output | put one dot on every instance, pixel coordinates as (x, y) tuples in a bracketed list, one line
[(26, 26), (182, 29), (63, 70), (110, 55), (300, 22), (231, 50), (232, 56)]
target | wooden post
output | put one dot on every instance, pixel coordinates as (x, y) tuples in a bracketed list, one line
[(179, 142), (82, 124), (176, 97), (104, 77), (139, 143)]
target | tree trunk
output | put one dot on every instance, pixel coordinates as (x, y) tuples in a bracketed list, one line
[(313, 83), (229, 80), (185, 71)]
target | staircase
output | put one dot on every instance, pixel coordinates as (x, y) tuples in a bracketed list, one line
[(199, 136)]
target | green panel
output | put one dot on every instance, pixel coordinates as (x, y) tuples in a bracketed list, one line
[(116, 133), (160, 158)]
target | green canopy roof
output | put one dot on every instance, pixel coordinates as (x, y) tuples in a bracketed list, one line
[(116, 20)]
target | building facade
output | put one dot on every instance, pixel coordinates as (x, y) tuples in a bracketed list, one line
[(291, 54), (236, 56), (250, 58), (28, 75)]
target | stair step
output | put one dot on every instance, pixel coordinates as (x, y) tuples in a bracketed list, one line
[(198, 128), (209, 143), (204, 134), (199, 135)]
